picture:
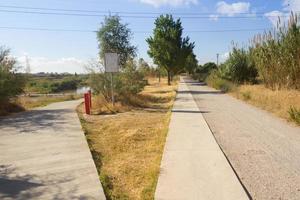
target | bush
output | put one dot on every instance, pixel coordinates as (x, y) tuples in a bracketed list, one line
[(202, 72), (214, 80), (239, 67), (11, 82), (129, 81), (64, 85)]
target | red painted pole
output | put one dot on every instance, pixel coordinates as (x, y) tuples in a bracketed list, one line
[(90, 95), (87, 103)]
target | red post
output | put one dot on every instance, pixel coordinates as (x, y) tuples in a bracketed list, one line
[(87, 103), (90, 97)]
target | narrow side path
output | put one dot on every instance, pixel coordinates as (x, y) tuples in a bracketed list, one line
[(193, 166), (44, 155)]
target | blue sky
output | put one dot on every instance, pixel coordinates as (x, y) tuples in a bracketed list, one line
[(57, 51)]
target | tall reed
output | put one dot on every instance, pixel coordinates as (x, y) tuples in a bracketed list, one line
[(277, 55)]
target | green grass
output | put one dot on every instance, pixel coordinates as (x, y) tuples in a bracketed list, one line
[(294, 115)]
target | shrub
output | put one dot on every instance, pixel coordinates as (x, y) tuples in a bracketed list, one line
[(202, 72), (294, 114), (129, 81), (11, 82), (64, 85), (214, 80), (239, 67)]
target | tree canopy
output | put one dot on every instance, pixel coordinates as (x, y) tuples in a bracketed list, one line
[(114, 37), (167, 47)]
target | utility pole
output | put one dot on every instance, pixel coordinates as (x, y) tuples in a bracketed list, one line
[(218, 59)]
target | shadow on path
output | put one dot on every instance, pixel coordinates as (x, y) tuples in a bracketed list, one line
[(35, 120), (19, 187)]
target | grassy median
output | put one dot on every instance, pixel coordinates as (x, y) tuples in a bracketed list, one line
[(127, 146)]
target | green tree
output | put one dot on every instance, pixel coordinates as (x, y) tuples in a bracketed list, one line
[(167, 47), (11, 82), (191, 63), (114, 37)]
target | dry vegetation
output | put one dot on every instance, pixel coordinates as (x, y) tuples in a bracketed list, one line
[(279, 102), (32, 102), (23, 103), (127, 146)]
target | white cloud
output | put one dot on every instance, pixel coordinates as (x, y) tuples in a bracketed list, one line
[(291, 5), (213, 17), (275, 15), (232, 9), (60, 65), (175, 3)]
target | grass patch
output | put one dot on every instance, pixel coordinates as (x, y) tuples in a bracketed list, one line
[(246, 95), (32, 102), (294, 115), (283, 103), (127, 146), (23, 103)]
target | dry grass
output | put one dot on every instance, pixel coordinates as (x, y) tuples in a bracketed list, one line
[(127, 147), (278, 102), (32, 102), (23, 103)]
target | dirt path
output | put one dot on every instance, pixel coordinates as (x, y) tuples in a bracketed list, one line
[(44, 155), (263, 149)]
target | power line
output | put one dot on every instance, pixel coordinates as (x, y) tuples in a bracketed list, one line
[(253, 16), (94, 31), (123, 12), (46, 29)]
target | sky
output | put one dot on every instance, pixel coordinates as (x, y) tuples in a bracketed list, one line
[(65, 40)]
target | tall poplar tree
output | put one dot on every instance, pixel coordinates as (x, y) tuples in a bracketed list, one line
[(167, 47)]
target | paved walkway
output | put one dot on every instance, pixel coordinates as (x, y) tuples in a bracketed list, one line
[(263, 149), (44, 155), (193, 166)]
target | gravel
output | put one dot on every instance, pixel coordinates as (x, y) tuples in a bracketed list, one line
[(263, 149)]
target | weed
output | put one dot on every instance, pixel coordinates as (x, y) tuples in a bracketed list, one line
[(246, 95), (294, 114)]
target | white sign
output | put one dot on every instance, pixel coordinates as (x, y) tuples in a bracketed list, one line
[(111, 61)]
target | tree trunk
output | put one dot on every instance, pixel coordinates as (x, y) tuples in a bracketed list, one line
[(159, 77), (169, 77)]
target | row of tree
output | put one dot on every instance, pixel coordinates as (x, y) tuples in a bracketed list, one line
[(168, 48)]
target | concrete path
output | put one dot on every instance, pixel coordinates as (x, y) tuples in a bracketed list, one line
[(263, 149), (44, 155), (193, 166)]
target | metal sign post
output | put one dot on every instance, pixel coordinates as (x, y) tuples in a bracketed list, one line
[(112, 89), (111, 61)]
